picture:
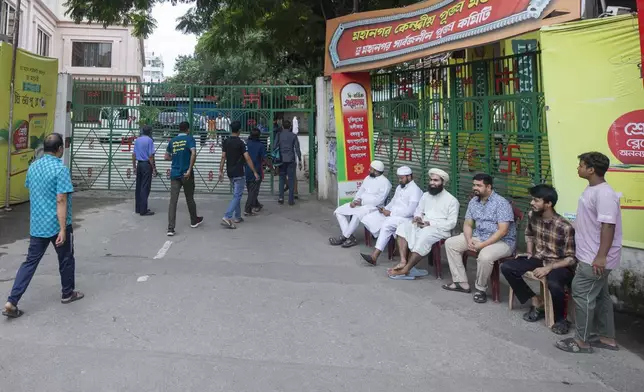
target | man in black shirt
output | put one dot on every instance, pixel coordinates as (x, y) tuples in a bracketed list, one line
[(234, 154)]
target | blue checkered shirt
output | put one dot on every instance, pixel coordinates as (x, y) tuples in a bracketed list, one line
[(488, 215), (47, 177)]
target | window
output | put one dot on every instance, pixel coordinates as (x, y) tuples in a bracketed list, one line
[(42, 43), (91, 54), (7, 19)]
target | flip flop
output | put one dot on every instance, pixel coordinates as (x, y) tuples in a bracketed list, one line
[(402, 277), (458, 288), (13, 313), (418, 273), (596, 343), (570, 346), (535, 314)]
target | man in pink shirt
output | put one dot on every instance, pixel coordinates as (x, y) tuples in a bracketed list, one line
[(598, 236)]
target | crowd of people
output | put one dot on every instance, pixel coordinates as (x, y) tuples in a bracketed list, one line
[(579, 256)]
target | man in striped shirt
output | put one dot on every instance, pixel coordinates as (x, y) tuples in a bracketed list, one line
[(550, 253)]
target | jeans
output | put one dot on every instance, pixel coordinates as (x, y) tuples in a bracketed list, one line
[(234, 208), (287, 169), (143, 186), (252, 201), (188, 185), (37, 248), (557, 279)]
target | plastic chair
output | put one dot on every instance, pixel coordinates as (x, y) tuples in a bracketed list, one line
[(547, 299)]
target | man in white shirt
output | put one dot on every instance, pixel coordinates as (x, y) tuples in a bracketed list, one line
[(384, 222), (434, 219), (222, 125), (372, 194), (296, 125)]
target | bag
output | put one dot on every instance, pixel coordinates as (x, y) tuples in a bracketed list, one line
[(276, 155)]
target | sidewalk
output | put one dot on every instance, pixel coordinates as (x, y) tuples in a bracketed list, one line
[(267, 307)]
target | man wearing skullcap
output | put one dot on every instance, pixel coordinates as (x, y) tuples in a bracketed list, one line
[(372, 194), (434, 219), (384, 222), (489, 230)]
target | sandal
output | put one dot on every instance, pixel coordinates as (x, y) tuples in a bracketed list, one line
[(570, 346), (595, 342), (457, 287), (349, 242), (535, 314), (368, 259), (336, 241), (480, 297), (561, 328), (12, 313), (76, 295)]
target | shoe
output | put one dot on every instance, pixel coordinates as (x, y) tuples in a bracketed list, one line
[(238, 220), (148, 213), (199, 221), (76, 295), (291, 203), (170, 232), (280, 201), (228, 223)]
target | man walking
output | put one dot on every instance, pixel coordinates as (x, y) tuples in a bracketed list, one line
[(50, 221), (257, 153), (550, 253), (291, 155), (182, 151), (145, 168), (598, 236), (233, 155)]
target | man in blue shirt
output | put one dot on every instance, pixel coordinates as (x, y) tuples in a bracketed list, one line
[(257, 152), (145, 168), (489, 231), (50, 221), (182, 151)]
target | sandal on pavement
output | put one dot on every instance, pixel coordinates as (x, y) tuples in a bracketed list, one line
[(561, 327), (13, 312), (570, 346), (368, 259), (349, 242), (534, 314), (76, 295), (457, 287), (336, 241), (596, 343), (480, 297)]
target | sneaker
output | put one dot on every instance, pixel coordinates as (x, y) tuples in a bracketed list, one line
[(199, 221), (281, 201), (75, 296), (238, 220), (170, 232), (228, 223)]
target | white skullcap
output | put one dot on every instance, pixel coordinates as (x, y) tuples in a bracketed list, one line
[(404, 171), (379, 166), (439, 172)]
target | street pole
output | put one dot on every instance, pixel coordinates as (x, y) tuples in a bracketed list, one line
[(356, 4), (12, 91)]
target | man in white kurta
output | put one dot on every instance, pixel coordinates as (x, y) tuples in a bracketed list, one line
[(434, 219), (372, 194), (384, 222)]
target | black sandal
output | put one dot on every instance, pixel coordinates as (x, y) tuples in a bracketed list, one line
[(535, 314), (368, 259), (595, 342), (480, 297), (561, 328), (13, 313), (457, 288), (337, 241), (350, 242), (570, 346)]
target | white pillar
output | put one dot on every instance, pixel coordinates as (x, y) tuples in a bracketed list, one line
[(63, 118), (322, 110)]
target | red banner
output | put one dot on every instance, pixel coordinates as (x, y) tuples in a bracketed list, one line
[(449, 20), (640, 18)]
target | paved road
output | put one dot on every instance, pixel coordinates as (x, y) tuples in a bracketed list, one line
[(268, 307)]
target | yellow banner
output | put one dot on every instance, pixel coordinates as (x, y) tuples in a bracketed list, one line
[(596, 103), (33, 115)]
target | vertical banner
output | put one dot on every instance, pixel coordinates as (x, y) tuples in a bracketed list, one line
[(354, 131), (640, 18), (33, 115)]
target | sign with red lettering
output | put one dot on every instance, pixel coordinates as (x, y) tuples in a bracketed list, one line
[(626, 138), (21, 136)]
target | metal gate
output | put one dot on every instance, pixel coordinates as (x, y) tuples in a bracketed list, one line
[(469, 117), (107, 117)]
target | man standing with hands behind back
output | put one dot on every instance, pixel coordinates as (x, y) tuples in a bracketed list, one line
[(182, 150), (145, 168), (598, 239)]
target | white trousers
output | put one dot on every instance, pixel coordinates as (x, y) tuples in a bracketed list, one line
[(342, 213), (420, 240), (382, 227)]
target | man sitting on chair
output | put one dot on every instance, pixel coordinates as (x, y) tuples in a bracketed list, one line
[(434, 219), (372, 194), (384, 222), (550, 243)]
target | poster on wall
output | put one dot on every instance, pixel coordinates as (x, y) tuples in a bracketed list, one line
[(33, 116), (332, 154), (605, 116), (354, 131)]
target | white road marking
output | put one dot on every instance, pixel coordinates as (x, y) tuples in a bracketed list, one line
[(143, 278), (164, 249)]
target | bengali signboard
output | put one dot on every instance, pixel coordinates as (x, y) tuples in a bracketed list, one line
[(354, 131), (417, 31)]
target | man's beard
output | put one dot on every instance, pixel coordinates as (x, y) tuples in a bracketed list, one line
[(435, 191), (537, 213), (403, 184), (372, 175)]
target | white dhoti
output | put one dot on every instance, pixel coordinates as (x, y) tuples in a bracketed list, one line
[(382, 227), (348, 227), (420, 240)]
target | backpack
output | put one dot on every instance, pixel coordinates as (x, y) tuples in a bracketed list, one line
[(276, 155)]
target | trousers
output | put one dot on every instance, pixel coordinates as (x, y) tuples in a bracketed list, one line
[(382, 227), (252, 201), (188, 185), (593, 305), (143, 186), (342, 214)]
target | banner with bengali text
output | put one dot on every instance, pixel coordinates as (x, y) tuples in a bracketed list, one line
[(354, 131)]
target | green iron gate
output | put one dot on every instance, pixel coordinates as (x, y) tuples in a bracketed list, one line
[(107, 117), (469, 117)]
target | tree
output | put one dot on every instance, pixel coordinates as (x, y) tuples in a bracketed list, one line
[(284, 35)]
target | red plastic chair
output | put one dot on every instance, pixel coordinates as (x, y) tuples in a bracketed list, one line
[(496, 270)]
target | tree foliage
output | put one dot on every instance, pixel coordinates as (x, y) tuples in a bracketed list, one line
[(267, 38)]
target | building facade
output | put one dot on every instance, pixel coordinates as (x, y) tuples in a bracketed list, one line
[(153, 69), (85, 51)]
